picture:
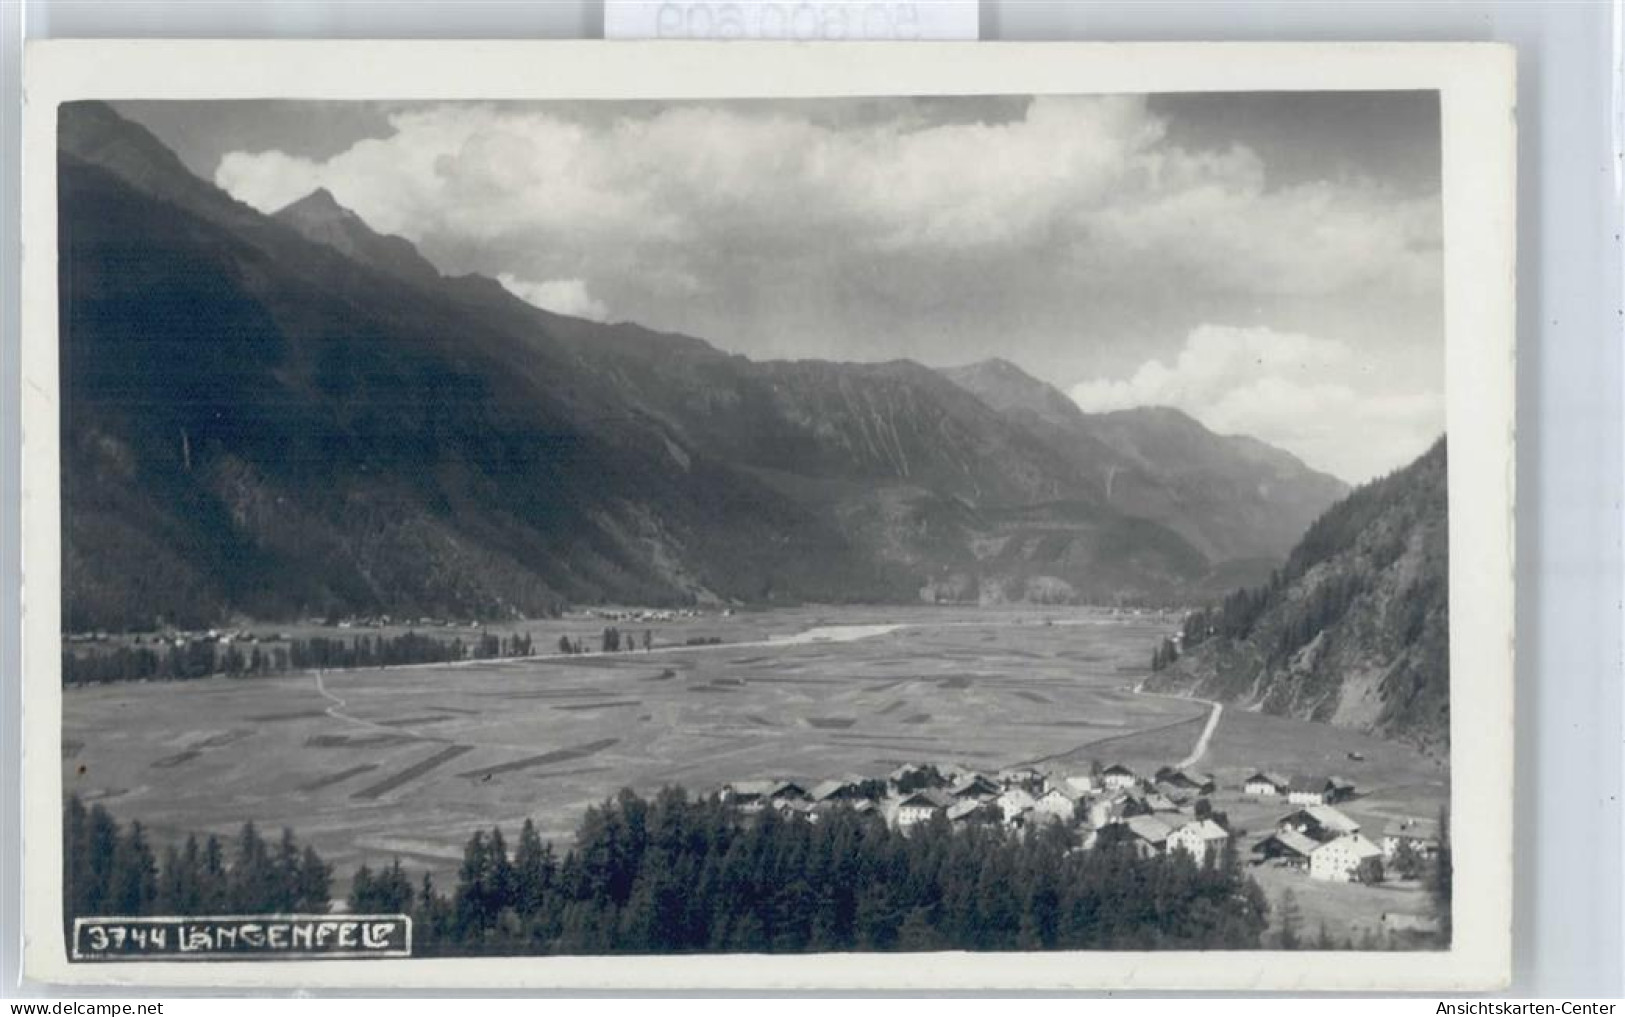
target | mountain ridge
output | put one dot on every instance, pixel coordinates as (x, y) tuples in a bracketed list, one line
[(1353, 629), (1233, 497), (294, 414)]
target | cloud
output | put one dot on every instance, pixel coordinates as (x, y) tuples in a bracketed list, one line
[(1072, 234), (562, 296), (1091, 180), (1314, 397)]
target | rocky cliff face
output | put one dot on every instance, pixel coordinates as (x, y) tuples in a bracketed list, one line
[(1353, 630)]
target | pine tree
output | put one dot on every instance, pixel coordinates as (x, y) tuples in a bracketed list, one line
[(135, 874), (533, 871), (286, 876), (253, 883), (315, 883), (214, 882), (77, 876), (102, 845)]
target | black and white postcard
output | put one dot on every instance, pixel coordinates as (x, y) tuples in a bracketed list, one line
[(634, 516)]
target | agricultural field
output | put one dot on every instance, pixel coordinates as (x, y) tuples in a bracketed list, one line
[(369, 764)]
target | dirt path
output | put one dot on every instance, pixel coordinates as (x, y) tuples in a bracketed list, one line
[(1216, 710), (1200, 749)]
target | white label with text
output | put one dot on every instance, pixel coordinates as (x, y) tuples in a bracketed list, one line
[(805, 21)]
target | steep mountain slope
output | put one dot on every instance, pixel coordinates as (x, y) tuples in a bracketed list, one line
[(1354, 630), (319, 217), (1236, 499), (928, 478), (256, 423), (293, 414)]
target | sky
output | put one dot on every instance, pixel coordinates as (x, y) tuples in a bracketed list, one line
[(1271, 263)]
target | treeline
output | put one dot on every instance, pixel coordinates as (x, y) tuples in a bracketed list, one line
[(110, 869), (1412, 492), (204, 658), (1165, 654), (677, 875)]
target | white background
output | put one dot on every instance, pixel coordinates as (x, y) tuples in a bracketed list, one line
[(1570, 933)]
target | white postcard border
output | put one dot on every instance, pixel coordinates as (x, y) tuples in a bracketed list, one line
[(1477, 105)]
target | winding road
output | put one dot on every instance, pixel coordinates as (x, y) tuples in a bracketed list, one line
[(1200, 748)]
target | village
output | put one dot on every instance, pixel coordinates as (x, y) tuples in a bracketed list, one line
[(1292, 825)]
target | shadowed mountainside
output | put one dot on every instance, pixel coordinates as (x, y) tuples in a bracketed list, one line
[(1354, 628), (289, 415), (1236, 499)]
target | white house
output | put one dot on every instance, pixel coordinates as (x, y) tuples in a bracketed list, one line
[(1118, 777), (1347, 859), (1202, 839), (1266, 785), (1014, 802), (920, 807), (1059, 802)]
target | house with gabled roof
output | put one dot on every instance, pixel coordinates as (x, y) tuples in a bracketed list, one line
[(1024, 777), (1348, 859), (1187, 780), (1265, 784), (1136, 803), (1147, 835), (1060, 802), (754, 795), (968, 810), (1422, 835), (1202, 839), (1319, 823), (1014, 802), (836, 789), (1086, 783), (1313, 789), (922, 806), (1118, 777), (1289, 847), (974, 785)]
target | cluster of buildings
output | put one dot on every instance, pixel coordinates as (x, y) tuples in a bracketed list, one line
[(1173, 810), (1330, 845), (650, 614), (1168, 812)]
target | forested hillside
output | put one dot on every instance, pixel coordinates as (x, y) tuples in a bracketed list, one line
[(1352, 630)]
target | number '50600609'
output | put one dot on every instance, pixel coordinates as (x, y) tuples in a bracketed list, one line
[(802, 21)]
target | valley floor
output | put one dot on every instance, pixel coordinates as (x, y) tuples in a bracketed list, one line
[(371, 764)]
